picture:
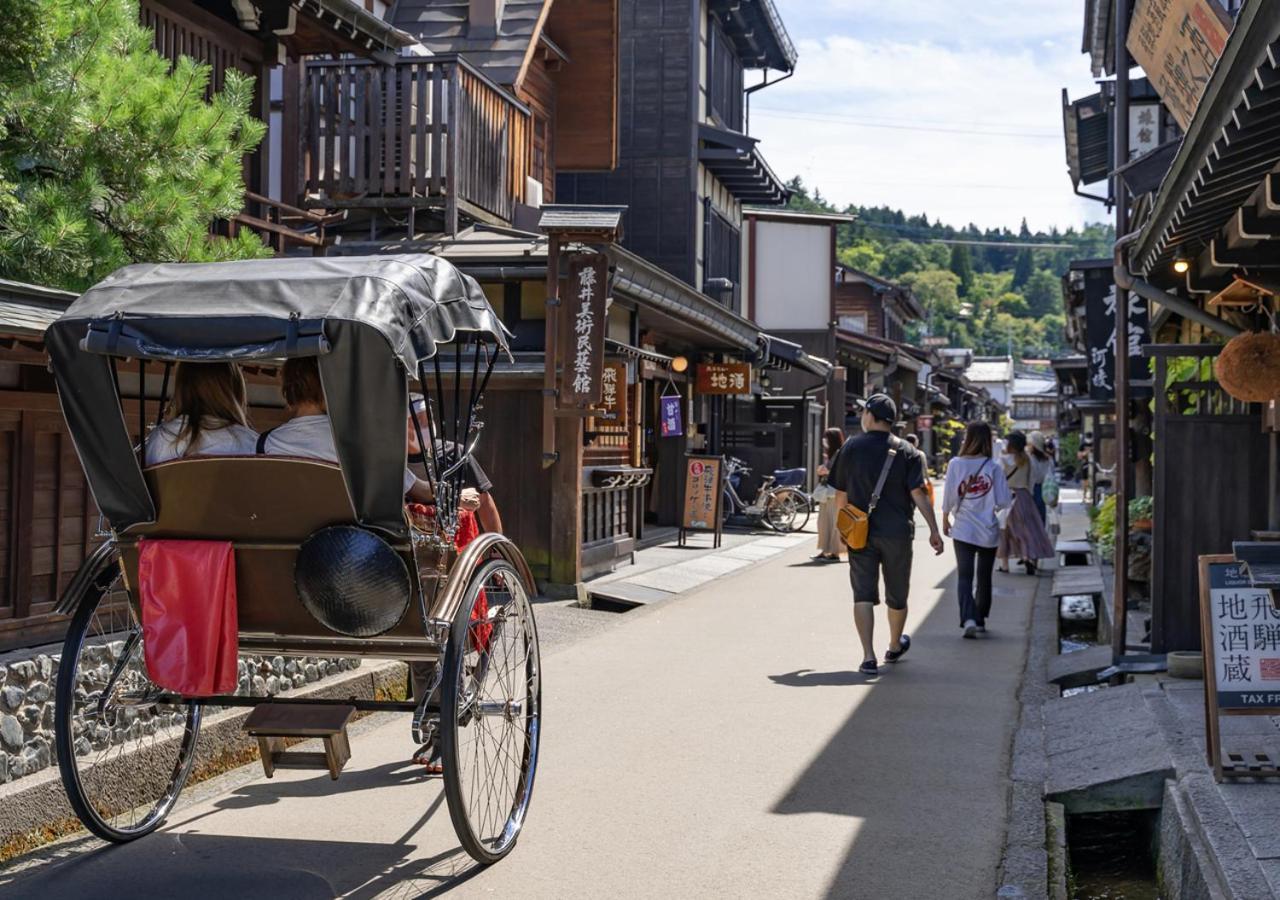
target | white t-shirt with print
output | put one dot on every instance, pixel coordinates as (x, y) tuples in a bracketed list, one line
[(215, 439), (311, 437), (974, 490)]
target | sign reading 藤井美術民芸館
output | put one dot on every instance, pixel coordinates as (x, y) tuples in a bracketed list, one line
[(580, 356), (1177, 43)]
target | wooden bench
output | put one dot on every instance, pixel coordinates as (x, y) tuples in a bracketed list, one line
[(273, 723)]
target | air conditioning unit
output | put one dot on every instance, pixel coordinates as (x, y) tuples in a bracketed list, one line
[(533, 192)]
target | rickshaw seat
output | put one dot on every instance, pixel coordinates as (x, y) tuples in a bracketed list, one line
[(266, 506)]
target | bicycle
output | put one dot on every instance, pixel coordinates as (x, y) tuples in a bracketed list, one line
[(783, 507)]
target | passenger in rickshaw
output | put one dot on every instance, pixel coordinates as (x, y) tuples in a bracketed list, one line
[(308, 433), (206, 415)]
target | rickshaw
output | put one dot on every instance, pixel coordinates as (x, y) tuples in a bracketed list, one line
[(328, 561)]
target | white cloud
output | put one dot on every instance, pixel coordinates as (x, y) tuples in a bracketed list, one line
[(929, 118)]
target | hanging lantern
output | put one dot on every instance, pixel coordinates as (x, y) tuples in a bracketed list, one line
[(1249, 367)]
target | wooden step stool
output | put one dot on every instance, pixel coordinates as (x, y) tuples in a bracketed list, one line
[(271, 723)]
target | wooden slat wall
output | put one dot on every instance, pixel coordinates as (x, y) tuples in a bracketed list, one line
[(183, 29), (586, 123)]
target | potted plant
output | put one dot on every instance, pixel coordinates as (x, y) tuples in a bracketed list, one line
[(1141, 511)]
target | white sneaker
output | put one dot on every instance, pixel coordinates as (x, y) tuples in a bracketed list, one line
[(970, 628)]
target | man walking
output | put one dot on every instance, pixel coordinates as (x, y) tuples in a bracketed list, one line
[(864, 462)]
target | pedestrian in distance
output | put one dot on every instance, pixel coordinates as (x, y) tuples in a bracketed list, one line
[(973, 495), (1041, 469), (830, 546), (1024, 535), (914, 441), (882, 474)]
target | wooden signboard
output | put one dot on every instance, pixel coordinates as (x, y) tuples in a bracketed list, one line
[(724, 378), (1177, 43), (613, 393), (580, 350), (703, 496), (1240, 634)]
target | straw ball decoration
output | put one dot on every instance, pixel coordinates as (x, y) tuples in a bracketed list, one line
[(1249, 367)]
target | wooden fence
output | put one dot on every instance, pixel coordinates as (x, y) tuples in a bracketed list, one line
[(424, 128)]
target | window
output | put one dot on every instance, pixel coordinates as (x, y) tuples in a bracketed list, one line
[(856, 322), (724, 257), (724, 79)]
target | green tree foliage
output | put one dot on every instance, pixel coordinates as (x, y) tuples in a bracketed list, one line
[(962, 268), (1012, 297), (106, 155)]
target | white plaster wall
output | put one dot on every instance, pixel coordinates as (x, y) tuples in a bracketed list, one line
[(793, 276)]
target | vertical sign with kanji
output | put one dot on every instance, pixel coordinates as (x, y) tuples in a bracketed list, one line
[(703, 496), (1100, 339), (1240, 634), (1177, 43), (581, 361), (613, 393)]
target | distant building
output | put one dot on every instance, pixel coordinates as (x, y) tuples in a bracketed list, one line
[(995, 374), (1035, 404)]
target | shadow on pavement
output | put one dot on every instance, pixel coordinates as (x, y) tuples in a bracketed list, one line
[(920, 766)]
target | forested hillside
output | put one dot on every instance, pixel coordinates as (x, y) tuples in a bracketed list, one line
[(993, 292)]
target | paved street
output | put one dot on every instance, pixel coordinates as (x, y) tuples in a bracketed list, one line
[(719, 744)]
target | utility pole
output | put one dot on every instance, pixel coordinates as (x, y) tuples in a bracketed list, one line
[(1124, 480)]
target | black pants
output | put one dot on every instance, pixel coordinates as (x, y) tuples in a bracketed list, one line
[(968, 558)]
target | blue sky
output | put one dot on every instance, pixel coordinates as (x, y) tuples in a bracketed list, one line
[(953, 109)]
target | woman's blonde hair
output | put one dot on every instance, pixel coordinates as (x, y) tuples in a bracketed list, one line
[(201, 391)]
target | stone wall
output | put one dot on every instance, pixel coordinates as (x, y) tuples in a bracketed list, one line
[(27, 704)]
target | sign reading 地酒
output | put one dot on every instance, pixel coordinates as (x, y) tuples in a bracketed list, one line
[(1240, 634), (724, 378), (581, 356), (613, 393), (1177, 43), (703, 495)]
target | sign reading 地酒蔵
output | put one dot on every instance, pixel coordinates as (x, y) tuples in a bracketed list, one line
[(580, 359), (1177, 43), (724, 378), (1244, 631)]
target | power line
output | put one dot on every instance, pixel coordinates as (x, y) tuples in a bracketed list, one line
[(866, 123)]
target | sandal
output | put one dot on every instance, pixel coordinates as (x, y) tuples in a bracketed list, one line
[(428, 756), (869, 668)]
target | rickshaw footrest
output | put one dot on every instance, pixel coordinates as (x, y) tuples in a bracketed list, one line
[(275, 724)]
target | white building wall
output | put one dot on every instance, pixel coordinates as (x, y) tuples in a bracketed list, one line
[(793, 276)]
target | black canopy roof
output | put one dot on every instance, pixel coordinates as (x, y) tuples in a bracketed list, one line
[(370, 320)]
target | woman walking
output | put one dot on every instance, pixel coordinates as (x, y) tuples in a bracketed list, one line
[(1041, 467), (1024, 534), (975, 489), (830, 546)]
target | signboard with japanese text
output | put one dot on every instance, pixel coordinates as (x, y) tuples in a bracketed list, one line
[(672, 421), (1100, 339), (613, 393), (1240, 634), (703, 496), (1144, 128), (1177, 43), (580, 361), (724, 378)]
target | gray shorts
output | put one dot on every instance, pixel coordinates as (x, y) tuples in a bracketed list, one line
[(890, 555)]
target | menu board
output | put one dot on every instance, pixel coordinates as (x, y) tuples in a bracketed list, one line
[(703, 493)]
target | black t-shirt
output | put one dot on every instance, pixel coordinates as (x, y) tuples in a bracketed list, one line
[(857, 469)]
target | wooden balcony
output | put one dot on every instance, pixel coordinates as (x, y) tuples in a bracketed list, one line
[(425, 132)]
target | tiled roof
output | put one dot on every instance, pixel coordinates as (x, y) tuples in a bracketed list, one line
[(26, 310), (990, 371)]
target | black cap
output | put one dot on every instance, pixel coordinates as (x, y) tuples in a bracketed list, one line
[(882, 407)]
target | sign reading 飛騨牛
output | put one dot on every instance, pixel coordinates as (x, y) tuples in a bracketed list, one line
[(723, 378), (1177, 43), (1244, 633), (613, 393), (583, 314)]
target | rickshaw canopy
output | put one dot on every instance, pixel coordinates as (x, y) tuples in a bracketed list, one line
[(370, 321)]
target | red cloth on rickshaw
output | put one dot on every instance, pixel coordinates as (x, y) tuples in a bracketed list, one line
[(468, 531), (190, 626)]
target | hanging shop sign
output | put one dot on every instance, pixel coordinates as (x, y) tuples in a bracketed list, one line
[(703, 496), (672, 423), (1240, 634), (724, 378), (1100, 337), (1177, 43), (613, 393), (580, 359)]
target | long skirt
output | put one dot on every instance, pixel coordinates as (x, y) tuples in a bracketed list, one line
[(829, 540), (1024, 535)]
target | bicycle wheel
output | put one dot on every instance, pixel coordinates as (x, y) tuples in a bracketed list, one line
[(786, 510), (491, 712), (123, 755)]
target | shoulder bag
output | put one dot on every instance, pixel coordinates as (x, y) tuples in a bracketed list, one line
[(853, 524)]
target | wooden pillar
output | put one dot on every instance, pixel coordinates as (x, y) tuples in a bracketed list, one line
[(1124, 478)]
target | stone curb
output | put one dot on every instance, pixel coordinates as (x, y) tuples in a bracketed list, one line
[(35, 811)]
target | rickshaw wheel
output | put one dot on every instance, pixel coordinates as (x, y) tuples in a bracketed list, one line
[(124, 759), (491, 712)]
